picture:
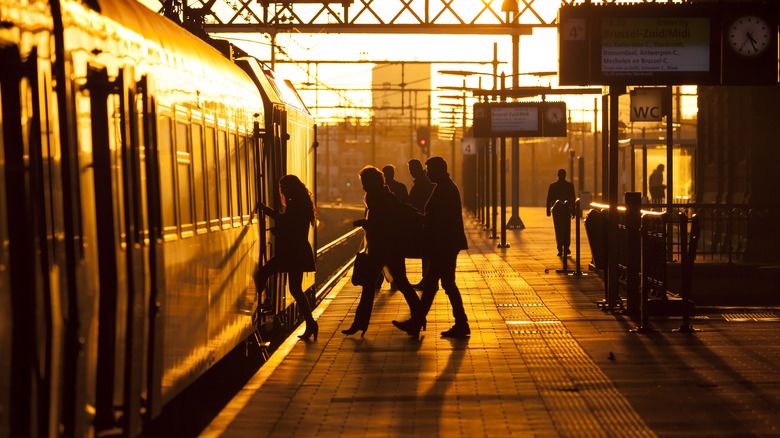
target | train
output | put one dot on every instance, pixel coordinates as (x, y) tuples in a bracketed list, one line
[(133, 157)]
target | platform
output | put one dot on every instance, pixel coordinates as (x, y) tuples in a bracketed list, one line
[(542, 360)]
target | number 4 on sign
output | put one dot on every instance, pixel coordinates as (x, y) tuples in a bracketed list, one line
[(468, 146), (573, 29)]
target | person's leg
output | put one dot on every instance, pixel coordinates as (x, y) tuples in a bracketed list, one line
[(431, 284), (295, 279), (449, 263), (397, 268), (261, 275), (364, 308)]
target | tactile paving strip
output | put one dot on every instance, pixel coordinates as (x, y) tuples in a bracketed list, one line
[(580, 398), (746, 316)]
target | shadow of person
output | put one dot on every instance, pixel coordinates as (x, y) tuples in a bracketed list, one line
[(430, 405)]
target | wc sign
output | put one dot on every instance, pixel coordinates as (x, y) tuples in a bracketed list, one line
[(647, 104)]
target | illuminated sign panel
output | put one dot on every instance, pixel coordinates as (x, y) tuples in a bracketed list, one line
[(514, 119), (519, 119), (668, 44), (650, 45)]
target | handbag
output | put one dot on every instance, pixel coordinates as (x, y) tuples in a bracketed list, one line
[(364, 271)]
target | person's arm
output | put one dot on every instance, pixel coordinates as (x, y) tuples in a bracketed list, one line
[(549, 199), (269, 211)]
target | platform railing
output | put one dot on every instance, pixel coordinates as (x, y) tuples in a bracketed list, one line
[(727, 230), (643, 251)]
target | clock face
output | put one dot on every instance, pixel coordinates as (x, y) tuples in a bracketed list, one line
[(749, 35), (554, 114)]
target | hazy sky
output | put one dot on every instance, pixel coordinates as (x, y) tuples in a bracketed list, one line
[(537, 52)]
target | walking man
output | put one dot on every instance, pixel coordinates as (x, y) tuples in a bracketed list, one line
[(560, 201), (445, 238)]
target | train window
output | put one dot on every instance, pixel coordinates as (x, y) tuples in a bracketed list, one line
[(234, 179), (166, 175), (250, 171), (223, 176), (198, 176), (241, 155), (184, 167), (212, 183)]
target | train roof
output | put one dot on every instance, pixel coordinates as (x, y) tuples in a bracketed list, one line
[(161, 39), (276, 90)]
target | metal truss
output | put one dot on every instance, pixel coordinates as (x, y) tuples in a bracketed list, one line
[(469, 17), (462, 17)]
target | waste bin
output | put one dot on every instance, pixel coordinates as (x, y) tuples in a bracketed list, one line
[(595, 227)]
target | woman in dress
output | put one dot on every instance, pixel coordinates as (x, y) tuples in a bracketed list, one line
[(293, 251)]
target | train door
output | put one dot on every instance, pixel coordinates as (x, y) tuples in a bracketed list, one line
[(273, 157), (122, 263), (31, 223), (151, 204)]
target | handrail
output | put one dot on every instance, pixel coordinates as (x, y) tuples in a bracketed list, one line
[(623, 208), (336, 277), (337, 241)]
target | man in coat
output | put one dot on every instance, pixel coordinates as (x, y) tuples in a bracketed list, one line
[(445, 238), (656, 186), (560, 199)]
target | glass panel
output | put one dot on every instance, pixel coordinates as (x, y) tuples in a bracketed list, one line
[(234, 176), (250, 165), (198, 177), (184, 161), (223, 174), (212, 183), (166, 174), (242, 165)]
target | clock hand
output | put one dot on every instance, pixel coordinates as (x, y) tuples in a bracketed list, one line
[(752, 41)]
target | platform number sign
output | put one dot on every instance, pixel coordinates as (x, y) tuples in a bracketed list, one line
[(468, 146), (573, 29), (573, 47)]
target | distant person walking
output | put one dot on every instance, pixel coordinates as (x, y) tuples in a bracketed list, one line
[(445, 238), (418, 196), (293, 251), (656, 185), (384, 242), (396, 187), (560, 203)]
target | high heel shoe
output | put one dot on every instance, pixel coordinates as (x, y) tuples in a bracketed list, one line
[(352, 330), (312, 328)]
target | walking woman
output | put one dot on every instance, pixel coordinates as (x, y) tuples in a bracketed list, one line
[(293, 251), (385, 242)]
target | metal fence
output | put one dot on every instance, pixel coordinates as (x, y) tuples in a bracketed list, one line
[(730, 232)]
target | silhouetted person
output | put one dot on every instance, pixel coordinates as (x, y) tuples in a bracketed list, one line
[(418, 196), (399, 190), (396, 187), (293, 251), (384, 241), (445, 238), (656, 186), (560, 199)]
